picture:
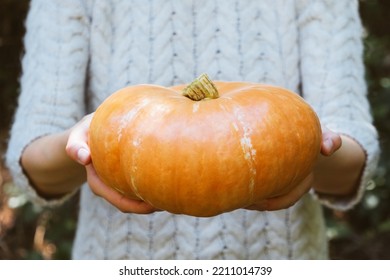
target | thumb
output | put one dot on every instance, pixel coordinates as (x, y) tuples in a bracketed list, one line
[(331, 142), (77, 146)]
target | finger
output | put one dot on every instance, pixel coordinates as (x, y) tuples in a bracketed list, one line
[(78, 150), (289, 199), (260, 206), (77, 146), (121, 202), (331, 142)]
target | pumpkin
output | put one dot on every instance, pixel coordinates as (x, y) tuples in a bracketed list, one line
[(206, 148)]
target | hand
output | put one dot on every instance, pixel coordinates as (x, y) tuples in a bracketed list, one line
[(77, 148), (331, 142)]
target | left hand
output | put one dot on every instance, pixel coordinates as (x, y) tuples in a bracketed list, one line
[(331, 142), (77, 149)]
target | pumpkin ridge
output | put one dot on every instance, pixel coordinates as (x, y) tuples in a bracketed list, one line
[(245, 141)]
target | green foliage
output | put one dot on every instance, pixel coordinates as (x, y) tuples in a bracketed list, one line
[(363, 233)]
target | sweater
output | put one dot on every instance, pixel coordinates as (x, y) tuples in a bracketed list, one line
[(79, 52)]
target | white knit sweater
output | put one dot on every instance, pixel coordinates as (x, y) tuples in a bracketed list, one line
[(84, 50)]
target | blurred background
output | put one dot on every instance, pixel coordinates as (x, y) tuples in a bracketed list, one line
[(27, 232)]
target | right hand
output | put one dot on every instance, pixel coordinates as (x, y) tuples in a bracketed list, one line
[(77, 148)]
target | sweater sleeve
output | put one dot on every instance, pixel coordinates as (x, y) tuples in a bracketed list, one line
[(332, 69), (52, 82)]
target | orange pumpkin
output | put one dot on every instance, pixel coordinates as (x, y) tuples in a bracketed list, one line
[(217, 147)]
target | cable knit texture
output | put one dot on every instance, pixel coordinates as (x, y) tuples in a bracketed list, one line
[(85, 50)]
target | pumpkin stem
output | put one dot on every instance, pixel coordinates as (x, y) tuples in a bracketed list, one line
[(201, 88)]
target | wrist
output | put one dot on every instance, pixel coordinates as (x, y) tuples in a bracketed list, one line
[(49, 169)]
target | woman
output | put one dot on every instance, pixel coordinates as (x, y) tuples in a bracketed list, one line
[(79, 52)]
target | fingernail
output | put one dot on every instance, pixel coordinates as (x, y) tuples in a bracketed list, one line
[(83, 156)]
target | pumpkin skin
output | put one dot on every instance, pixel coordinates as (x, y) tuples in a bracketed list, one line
[(203, 158)]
